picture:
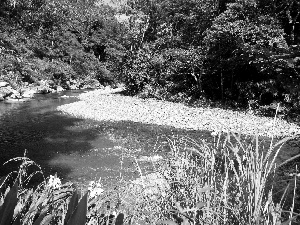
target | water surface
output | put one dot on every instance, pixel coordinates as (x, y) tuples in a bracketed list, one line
[(76, 149)]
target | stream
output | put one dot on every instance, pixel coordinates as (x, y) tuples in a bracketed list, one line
[(77, 150)]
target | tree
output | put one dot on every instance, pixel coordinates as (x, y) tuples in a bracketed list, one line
[(238, 43)]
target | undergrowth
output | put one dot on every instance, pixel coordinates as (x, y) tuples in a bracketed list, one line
[(227, 182)]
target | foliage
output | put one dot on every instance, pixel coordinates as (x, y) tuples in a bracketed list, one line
[(51, 202), (46, 39), (239, 54), (220, 50), (239, 44)]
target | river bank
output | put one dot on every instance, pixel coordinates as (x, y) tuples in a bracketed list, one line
[(110, 106), (10, 92)]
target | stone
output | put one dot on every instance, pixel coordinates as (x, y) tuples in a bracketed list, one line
[(15, 96), (6, 91), (14, 100), (59, 88), (4, 84), (43, 89), (28, 93)]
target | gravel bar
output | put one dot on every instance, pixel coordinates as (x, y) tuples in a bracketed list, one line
[(104, 105)]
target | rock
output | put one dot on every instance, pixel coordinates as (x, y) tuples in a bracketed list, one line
[(14, 100), (59, 88), (43, 89), (68, 83), (4, 84), (28, 93), (6, 91), (15, 96)]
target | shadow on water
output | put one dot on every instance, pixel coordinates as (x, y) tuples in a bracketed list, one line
[(37, 127)]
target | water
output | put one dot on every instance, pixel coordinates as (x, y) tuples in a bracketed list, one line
[(76, 149)]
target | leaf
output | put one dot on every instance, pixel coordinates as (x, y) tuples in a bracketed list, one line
[(79, 215), (288, 221), (181, 210), (2, 180), (47, 219), (10, 202), (40, 218), (72, 206), (120, 219), (17, 220)]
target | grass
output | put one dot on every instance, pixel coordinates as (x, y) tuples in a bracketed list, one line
[(229, 182)]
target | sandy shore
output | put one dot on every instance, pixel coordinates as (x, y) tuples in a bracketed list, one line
[(107, 105)]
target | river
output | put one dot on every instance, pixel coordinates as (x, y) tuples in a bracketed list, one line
[(75, 149)]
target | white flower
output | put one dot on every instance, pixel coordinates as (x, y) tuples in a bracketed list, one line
[(54, 182), (95, 188)]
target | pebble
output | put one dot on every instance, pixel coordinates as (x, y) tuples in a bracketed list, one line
[(104, 106)]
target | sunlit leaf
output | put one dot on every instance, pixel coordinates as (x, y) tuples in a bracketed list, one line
[(72, 206)]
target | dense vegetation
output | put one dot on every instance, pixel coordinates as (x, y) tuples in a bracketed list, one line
[(237, 51), (194, 185)]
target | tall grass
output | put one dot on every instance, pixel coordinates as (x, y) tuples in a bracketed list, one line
[(224, 183), (228, 181)]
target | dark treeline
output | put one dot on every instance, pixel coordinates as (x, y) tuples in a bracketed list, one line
[(231, 51)]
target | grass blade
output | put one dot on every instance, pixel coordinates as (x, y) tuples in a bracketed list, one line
[(10, 202), (79, 215), (2, 181), (17, 220), (40, 219), (46, 220), (120, 219), (71, 206)]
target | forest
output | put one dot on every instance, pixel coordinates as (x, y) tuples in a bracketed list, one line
[(242, 53)]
